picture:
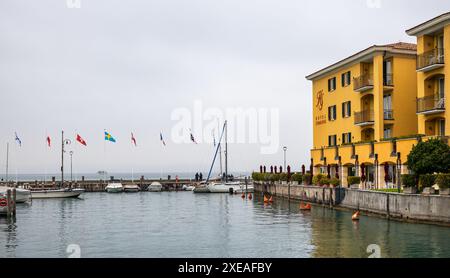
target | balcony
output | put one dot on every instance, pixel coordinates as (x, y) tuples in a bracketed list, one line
[(363, 83), (388, 81), (388, 114), (364, 118), (430, 60), (430, 105)]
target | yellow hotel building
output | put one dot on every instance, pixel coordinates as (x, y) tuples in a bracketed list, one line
[(371, 108)]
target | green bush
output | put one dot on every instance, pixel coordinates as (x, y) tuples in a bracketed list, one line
[(283, 177), (325, 181), (432, 156), (408, 180), (307, 179), (274, 177), (335, 182), (427, 180), (317, 179), (297, 177), (353, 180), (257, 176), (443, 181)]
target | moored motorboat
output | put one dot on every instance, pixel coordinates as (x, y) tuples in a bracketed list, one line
[(155, 187), (114, 188), (224, 187), (130, 188), (187, 187), (22, 195), (56, 193)]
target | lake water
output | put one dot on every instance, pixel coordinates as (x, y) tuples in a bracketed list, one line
[(184, 224)]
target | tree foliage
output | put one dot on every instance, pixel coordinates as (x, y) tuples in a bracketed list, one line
[(429, 157)]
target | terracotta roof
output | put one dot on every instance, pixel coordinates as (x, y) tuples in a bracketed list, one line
[(403, 45), (394, 48)]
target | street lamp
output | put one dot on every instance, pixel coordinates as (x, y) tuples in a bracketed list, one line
[(284, 149), (71, 154)]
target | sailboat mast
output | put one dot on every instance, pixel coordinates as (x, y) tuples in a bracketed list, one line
[(220, 151), (62, 158), (7, 162), (226, 151)]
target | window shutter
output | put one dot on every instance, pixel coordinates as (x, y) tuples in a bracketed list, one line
[(343, 80), (334, 112), (349, 107), (343, 110), (329, 87)]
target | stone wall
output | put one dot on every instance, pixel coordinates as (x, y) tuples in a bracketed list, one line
[(423, 208)]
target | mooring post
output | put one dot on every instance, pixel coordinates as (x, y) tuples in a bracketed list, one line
[(246, 183), (9, 207), (14, 197)]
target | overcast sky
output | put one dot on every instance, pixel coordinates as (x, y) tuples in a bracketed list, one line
[(125, 66)]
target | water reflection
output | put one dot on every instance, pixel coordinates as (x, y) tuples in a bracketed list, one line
[(183, 224)]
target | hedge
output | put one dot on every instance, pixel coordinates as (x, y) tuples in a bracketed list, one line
[(353, 180), (408, 180), (320, 179), (427, 180), (443, 181), (307, 179)]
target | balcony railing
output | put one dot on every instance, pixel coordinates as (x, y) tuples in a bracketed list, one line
[(430, 59), (388, 80), (365, 117), (430, 104), (388, 114), (363, 83)]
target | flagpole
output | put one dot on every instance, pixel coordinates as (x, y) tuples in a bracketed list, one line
[(220, 150), (62, 158), (226, 151)]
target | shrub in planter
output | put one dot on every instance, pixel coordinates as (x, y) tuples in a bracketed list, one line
[(257, 176), (325, 181), (266, 177), (427, 180), (353, 180), (317, 179), (408, 180), (283, 177), (297, 177), (307, 179), (443, 181), (274, 177), (335, 182)]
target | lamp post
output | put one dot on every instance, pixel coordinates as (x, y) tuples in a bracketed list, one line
[(71, 154), (284, 149)]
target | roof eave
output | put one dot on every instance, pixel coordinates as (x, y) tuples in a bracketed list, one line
[(430, 26)]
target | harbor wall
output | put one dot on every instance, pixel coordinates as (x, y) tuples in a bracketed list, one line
[(407, 207)]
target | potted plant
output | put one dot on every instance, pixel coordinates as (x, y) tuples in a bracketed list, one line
[(443, 181), (334, 182), (296, 178), (317, 179), (409, 184), (426, 182), (354, 182)]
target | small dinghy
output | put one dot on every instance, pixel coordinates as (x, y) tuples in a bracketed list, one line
[(131, 188), (155, 187)]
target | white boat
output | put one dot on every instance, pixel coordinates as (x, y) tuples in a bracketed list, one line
[(3, 204), (188, 187), (131, 188), (155, 187), (114, 188), (22, 195), (229, 187), (57, 193)]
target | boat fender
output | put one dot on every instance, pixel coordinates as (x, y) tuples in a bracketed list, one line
[(355, 216)]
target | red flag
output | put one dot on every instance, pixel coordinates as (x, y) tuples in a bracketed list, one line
[(79, 139), (133, 140), (49, 141)]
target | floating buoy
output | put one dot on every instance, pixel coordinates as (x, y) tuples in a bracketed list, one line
[(243, 196), (305, 206), (270, 200), (250, 196), (266, 200), (355, 216)]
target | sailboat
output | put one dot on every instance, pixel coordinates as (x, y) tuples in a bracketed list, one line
[(22, 195), (62, 192)]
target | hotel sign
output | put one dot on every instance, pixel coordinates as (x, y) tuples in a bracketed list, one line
[(321, 119)]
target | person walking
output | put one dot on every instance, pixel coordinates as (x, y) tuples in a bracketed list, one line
[(196, 177)]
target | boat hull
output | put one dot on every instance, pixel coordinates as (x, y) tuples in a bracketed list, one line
[(131, 188), (56, 193), (22, 195), (114, 190), (201, 189)]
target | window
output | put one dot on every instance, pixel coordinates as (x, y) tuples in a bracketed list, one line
[(346, 138), (332, 113), (387, 107), (345, 79), (346, 109), (387, 132), (332, 140), (441, 131), (331, 84), (441, 86)]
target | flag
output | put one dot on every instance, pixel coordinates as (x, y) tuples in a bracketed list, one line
[(162, 139), (108, 137), (81, 140), (18, 140), (133, 140), (192, 138), (49, 141)]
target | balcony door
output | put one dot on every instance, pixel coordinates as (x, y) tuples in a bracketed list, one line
[(387, 73), (441, 127), (440, 48), (441, 88)]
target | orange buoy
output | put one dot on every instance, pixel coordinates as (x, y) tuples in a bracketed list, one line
[(355, 216), (250, 196), (243, 196), (271, 199), (266, 200), (305, 206)]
